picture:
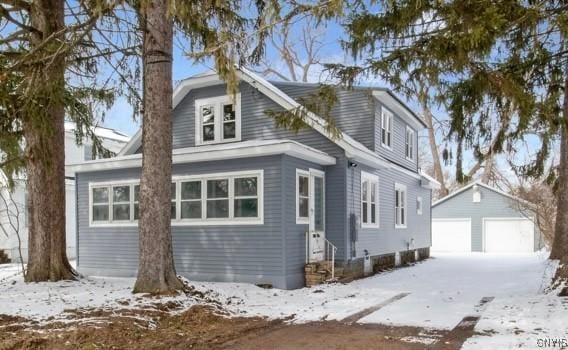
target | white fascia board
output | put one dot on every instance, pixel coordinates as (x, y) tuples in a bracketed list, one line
[(397, 108), (432, 183), (214, 152)]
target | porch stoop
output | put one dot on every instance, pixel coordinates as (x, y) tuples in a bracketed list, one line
[(320, 272)]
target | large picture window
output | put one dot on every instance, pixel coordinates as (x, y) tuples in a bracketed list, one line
[(217, 120), (400, 206), (386, 128), (214, 199), (369, 200)]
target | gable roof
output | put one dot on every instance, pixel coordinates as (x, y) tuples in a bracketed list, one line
[(353, 149), (384, 95), (479, 183)]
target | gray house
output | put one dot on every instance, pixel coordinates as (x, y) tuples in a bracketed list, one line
[(254, 203), (481, 218)]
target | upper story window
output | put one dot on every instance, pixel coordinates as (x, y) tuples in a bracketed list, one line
[(409, 144), (215, 199), (217, 120), (400, 206), (369, 200), (386, 128)]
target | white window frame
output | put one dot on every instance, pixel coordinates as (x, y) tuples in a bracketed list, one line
[(217, 103), (177, 221), (419, 204), (400, 188), (409, 144), (387, 118), (370, 179), (301, 220)]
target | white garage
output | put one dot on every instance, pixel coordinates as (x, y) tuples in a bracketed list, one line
[(508, 235), (481, 218), (451, 235)]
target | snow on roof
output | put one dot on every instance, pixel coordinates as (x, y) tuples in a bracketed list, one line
[(103, 132)]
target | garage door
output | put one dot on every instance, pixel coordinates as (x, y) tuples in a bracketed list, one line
[(508, 235), (451, 235)]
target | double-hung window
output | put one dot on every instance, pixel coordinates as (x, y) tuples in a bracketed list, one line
[(369, 200), (217, 120), (216, 199), (400, 206), (386, 127), (302, 196), (409, 144)]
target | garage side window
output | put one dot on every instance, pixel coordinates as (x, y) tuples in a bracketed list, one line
[(369, 200), (400, 206), (302, 196)]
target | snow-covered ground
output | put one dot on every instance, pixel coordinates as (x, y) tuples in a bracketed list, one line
[(442, 291)]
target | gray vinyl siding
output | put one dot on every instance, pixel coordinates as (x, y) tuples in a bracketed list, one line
[(256, 125), (398, 140), (353, 112), (245, 253), (492, 205), (387, 238)]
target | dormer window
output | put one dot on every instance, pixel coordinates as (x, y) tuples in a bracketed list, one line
[(217, 120), (386, 128)]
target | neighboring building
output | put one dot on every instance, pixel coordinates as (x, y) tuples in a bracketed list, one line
[(480, 218), (112, 140), (252, 202)]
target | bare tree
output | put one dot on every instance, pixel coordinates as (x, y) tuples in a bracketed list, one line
[(10, 217), (299, 47)]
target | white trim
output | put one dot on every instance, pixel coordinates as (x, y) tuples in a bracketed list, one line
[(401, 188), (411, 146), (510, 218), (178, 221), (479, 183), (301, 220), (372, 179), (236, 150), (217, 103), (419, 205), (464, 219), (385, 112)]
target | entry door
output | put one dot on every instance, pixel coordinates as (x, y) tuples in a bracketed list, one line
[(317, 215)]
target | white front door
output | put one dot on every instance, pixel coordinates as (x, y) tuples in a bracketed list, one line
[(317, 216), (514, 235)]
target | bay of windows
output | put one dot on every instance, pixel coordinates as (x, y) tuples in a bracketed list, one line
[(229, 198)]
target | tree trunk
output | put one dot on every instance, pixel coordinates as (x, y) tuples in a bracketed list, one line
[(156, 270), (438, 173), (560, 244), (460, 176), (45, 155)]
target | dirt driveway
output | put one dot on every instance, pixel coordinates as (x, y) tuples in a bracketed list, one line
[(203, 328)]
